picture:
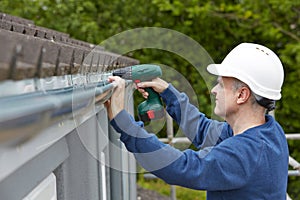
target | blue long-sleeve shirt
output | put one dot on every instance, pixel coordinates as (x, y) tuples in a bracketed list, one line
[(250, 165)]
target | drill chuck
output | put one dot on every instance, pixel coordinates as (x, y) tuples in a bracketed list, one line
[(125, 73)]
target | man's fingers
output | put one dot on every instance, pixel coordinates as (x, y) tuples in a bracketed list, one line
[(157, 84), (116, 81), (113, 78), (145, 84), (143, 92)]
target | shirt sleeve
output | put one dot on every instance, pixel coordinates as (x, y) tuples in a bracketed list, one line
[(200, 130), (223, 168)]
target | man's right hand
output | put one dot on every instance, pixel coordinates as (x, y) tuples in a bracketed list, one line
[(157, 84)]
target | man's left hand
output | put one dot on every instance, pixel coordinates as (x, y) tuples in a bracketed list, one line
[(117, 101)]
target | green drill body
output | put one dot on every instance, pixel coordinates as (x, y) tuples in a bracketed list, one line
[(152, 108)]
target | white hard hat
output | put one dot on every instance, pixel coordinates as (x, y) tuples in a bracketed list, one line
[(256, 65)]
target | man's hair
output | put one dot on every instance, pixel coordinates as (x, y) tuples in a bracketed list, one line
[(269, 104)]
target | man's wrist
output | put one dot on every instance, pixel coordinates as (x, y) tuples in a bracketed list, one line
[(115, 112)]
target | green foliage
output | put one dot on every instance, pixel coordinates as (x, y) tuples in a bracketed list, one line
[(217, 25), (164, 189), (288, 105), (293, 184)]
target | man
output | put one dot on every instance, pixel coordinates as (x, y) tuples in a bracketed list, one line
[(245, 157)]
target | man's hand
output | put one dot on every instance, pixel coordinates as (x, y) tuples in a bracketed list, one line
[(117, 100), (157, 84)]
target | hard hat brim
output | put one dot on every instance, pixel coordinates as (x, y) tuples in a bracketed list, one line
[(219, 70)]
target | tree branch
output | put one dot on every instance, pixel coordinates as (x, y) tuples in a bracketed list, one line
[(288, 33)]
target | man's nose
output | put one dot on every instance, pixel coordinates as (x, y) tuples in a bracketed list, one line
[(213, 91)]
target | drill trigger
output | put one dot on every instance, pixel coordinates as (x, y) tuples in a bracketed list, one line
[(151, 114)]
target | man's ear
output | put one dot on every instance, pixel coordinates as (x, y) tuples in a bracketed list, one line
[(244, 94)]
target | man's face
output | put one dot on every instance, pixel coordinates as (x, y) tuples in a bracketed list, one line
[(225, 97)]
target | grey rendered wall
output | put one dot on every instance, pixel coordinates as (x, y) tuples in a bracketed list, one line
[(52, 117)]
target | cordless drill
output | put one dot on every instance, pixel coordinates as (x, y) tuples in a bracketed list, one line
[(152, 108)]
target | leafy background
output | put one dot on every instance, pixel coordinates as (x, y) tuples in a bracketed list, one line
[(217, 25)]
